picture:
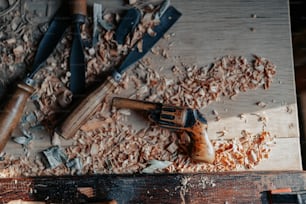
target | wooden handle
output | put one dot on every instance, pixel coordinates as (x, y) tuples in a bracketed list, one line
[(85, 109), (133, 104), (12, 112), (202, 149), (78, 7)]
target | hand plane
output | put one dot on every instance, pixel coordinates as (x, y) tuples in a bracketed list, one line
[(179, 119)]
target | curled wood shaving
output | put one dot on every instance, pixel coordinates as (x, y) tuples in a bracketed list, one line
[(155, 165)]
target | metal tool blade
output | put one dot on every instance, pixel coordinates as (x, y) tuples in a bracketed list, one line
[(77, 63), (98, 21), (170, 16), (127, 25), (49, 41), (97, 14), (164, 6)]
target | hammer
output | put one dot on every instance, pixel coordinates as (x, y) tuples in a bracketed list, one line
[(179, 119)]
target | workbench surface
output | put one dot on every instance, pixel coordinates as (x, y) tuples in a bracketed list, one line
[(211, 29)]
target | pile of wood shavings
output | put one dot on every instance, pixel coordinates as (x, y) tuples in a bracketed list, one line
[(118, 148), (196, 87)]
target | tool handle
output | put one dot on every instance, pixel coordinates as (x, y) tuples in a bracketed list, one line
[(78, 7), (12, 112), (86, 108), (202, 149), (133, 104)]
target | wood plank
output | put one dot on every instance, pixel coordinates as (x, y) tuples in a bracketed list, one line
[(285, 155), (211, 29), (234, 187), (216, 29)]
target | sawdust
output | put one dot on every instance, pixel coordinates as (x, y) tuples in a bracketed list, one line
[(183, 188), (186, 185)]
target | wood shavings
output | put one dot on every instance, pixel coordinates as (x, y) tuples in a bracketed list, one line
[(242, 116), (261, 117), (89, 192), (205, 182), (289, 109), (222, 132), (184, 188), (261, 104), (56, 141), (114, 152), (25, 202), (18, 50), (155, 165), (172, 148), (228, 76), (131, 2), (243, 153), (11, 41)]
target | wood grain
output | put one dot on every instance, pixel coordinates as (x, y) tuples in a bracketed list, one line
[(233, 187)]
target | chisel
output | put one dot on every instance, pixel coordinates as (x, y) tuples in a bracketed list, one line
[(72, 12)]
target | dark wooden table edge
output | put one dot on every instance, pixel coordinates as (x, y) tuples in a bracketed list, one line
[(231, 187)]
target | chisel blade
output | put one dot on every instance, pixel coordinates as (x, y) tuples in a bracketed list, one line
[(170, 16), (127, 25), (51, 38)]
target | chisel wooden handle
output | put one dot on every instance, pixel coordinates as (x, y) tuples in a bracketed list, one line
[(12, 112), (86, 108), (78, 7)]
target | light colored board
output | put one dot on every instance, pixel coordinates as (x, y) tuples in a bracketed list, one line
[(211, 29), (285, 155)]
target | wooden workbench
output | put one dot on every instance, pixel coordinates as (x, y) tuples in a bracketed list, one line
[(211, 29), (208, 29)]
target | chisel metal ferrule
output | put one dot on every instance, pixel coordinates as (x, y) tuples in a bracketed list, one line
[(117, 76), (79, 18), (29, 81)]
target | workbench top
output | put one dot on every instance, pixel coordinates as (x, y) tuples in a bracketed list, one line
[(212, 29)]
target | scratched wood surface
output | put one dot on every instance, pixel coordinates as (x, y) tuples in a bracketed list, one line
[(211, 29), (234, 187)]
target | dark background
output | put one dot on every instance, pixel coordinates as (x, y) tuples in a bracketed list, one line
[(298, 28)]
